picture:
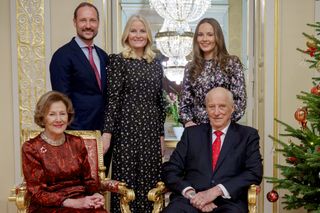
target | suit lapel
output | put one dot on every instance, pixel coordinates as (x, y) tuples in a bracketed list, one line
[(229, 141), (79, 53), (207, 138), (84, 60)]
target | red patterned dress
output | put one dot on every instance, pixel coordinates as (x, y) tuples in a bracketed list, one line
[(55, 173)]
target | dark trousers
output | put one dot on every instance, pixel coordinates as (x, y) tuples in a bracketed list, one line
[(180, 204)]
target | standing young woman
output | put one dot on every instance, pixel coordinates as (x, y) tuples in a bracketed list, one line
[(134, 115), (211, 67)]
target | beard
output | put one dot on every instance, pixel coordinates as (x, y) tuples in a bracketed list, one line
[(82, 34)]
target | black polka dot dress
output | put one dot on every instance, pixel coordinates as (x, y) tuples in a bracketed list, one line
[(135, 117)]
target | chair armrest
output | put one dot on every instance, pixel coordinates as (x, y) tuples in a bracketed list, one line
[(252, 198), (18, 195), (157, 195), (126, 195)]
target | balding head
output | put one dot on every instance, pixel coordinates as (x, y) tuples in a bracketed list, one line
[(219, 106)]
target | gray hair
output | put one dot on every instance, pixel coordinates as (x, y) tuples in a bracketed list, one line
[(227, 92)]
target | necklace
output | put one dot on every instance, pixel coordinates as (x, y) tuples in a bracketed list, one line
[(53, 142)]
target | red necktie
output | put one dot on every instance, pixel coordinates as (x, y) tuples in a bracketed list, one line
[(216, 148), (94, 67)]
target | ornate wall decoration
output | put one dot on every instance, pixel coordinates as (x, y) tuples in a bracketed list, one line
[(30, 57)]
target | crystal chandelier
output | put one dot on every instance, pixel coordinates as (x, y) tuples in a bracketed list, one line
[(174, 73), (174, 69), (175, 45), (174, 40), (180, 10), (172, 43)]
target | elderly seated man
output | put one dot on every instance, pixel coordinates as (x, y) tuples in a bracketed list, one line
[(214, 164)]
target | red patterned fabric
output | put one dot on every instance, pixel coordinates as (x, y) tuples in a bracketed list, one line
[(55, 173), (110, 185), (92, 150)]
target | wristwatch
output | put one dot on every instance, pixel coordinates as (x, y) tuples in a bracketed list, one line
[(191, 194)]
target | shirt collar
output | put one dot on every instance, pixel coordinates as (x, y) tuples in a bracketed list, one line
[(81, 43), (224, 130)]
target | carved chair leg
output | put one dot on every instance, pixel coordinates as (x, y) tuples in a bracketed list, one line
[(127, 195), (18, 196), (157, 195), (252, 199)]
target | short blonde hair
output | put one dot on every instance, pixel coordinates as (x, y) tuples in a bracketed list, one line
[(128, 52), (44, 104)]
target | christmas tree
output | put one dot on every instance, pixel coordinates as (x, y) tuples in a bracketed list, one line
[(301, 175)]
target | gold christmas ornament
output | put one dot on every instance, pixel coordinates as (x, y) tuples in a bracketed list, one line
[(311, 43)]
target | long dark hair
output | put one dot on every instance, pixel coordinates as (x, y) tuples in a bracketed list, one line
[(221, 56)]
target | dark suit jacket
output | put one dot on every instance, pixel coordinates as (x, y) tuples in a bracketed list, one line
[(72, 74), (239, 164)]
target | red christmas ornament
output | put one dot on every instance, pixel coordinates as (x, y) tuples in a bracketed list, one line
[(311, 51), (292, 160), (315, 90), (272, 196), (301, 116)]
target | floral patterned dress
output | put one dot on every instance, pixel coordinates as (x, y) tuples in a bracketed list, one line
[(55, 173), (135, 117), (192, 103)]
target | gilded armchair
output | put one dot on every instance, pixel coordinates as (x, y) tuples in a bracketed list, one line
[(157, 195), (95, 152)]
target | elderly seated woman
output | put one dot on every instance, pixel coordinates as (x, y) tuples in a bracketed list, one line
[(55, 164)]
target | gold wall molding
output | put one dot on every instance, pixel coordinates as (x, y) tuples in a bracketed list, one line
[(31, 65), (266, 64), (276, 92)]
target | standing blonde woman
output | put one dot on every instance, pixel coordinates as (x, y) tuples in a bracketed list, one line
[(211, 67), (135, 115)]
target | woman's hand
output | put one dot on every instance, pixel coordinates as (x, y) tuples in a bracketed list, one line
[(190, 123), (98, 199), (94, 201), (106, 140)]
